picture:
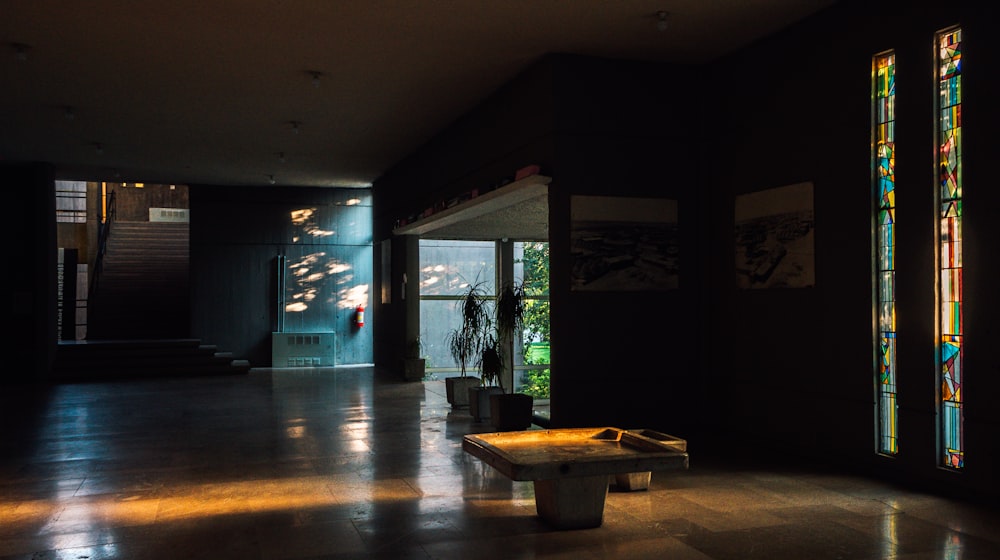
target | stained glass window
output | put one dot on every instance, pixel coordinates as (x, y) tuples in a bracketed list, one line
[(884, 116), (949, 46)]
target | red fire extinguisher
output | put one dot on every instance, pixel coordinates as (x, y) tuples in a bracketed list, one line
[(359, 316)]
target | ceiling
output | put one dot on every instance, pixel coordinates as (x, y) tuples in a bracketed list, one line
[(304, 92)]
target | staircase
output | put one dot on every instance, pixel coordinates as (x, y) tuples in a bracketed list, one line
[(141, 359), (143, 290), (138, 322)]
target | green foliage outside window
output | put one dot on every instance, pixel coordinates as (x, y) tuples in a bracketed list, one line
[(535, 261), (535, 382)]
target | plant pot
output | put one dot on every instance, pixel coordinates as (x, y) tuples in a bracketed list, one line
[(511, 412), (413, 369), (479, 401), (457, 390)]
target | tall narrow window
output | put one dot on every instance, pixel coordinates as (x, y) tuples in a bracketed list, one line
[(531, 367), (447, 269), (884, 116), (949, 138)]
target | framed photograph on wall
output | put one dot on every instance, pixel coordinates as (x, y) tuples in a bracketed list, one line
[(624, 243), (774, 238)]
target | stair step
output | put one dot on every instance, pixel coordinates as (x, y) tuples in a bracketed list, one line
[(138, 281), (140, 314), (138, 359), (145, 253), (143, 291)]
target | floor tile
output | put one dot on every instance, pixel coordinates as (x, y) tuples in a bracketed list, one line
[(344, 463)]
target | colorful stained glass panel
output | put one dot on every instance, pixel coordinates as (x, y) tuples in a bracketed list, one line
[(884, 111), (950, 246)]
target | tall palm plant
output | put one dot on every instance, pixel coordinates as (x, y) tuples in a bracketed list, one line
[(509, 411), (465, 343), (509, 319), (509, 310)]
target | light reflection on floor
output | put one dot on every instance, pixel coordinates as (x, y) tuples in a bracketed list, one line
[(351, 463)]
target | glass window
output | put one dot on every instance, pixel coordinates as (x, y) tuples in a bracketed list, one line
[(71, 202), (949, 139), (448, 268), (531, 367), (884, 116)]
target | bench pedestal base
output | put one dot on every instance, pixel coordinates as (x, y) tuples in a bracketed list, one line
[(572, 502)]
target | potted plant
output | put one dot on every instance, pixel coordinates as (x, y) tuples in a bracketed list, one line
[(509, 411), (414, 364), (465, 344), (491, 365)]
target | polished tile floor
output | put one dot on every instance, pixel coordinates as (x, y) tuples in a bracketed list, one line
[(344, 463)]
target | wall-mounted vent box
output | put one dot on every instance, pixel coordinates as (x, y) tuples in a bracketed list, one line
[(299, 349)]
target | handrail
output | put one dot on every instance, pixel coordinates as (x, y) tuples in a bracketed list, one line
[(103, 233)]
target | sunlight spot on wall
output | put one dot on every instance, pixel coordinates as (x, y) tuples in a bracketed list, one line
[(300, 217), (334, 267), (354, 296), (307, 260), (316, 232), (305, 218)]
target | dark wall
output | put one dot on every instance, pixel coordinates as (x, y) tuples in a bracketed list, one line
[(508, 130), (31, 308), (237, 235), (795, 367), (624, 129), (132, 203), (982, 215)]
